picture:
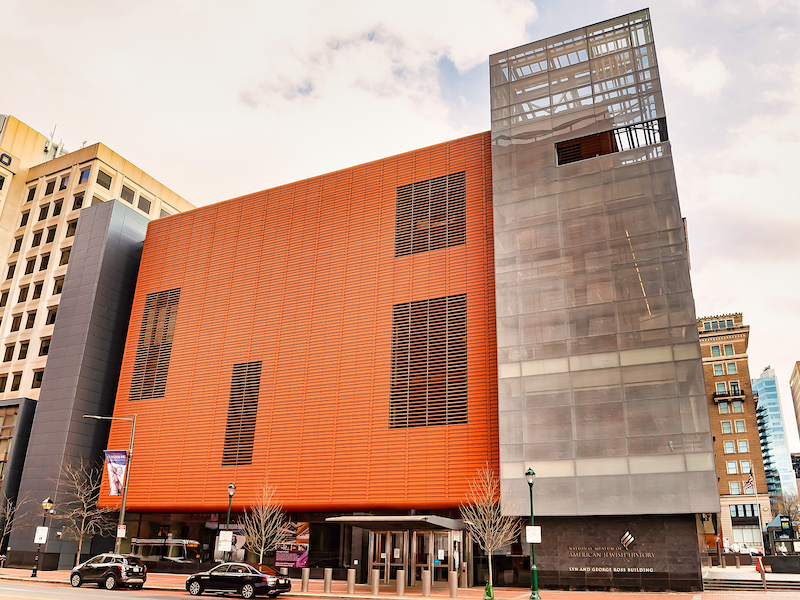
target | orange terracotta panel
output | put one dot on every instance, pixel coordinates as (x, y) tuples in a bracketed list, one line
[(303, 278)]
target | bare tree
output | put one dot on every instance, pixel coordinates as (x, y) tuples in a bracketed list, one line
[(9, 507), (483, 517), (264, 524), (787, 505), (78, 512)]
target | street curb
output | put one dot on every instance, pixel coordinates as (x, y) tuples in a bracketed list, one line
[(163, 588)]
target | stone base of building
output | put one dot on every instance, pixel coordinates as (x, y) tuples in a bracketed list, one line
[(649, 552)]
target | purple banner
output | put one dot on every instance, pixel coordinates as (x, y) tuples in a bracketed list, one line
[(116, 461)]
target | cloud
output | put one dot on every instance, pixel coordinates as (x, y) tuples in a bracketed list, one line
[(702, 73)]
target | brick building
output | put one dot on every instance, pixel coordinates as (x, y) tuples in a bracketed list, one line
[(732, 407)]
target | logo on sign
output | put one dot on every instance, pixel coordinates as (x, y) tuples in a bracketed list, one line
[(5, 159), (627, 539)]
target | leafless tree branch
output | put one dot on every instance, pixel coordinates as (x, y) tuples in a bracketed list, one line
[(264, 524), (9, 509), (483, 518), (77, 509)]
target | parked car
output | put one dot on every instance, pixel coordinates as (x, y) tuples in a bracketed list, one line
[(110, 571), (240, 578)]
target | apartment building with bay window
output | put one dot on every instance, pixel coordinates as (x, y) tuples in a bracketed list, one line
[(733, 409)]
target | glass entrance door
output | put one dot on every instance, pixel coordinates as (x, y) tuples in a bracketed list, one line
[(388, 554), (377, 558), (422, 554), (441, 556)]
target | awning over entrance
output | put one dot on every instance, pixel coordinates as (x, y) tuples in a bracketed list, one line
[(394, 523)]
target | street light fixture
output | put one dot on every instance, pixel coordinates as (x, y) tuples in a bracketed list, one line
[(530, 476), (127, 470), (231, 492), (46, 505)]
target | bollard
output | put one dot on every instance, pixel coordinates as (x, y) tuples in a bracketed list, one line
[(351, 581), (464, 577), (452, 578), (304, 577), (401, 582), (738, 561), (328, 578), (284, 570), (426, 583), (376, 581)]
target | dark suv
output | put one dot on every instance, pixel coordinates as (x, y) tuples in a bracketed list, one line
[(110, 571)]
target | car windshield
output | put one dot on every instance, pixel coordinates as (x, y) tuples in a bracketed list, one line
[(219, 569)]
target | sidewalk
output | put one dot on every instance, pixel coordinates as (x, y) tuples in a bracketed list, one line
[(173, 582), (746, 573)]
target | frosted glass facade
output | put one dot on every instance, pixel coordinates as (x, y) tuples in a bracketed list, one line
[(600, 379), (769, 398)]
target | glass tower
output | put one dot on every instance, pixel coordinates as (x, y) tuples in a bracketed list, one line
[(769, 400)]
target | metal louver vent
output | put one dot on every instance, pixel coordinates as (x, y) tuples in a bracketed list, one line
[(151, 367), (431, 214), (240, 430), (429, 363)]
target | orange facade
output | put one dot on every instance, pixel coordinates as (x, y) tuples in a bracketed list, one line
[(303, 278)]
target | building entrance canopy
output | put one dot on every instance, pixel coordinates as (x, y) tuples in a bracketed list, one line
[(393, 523)]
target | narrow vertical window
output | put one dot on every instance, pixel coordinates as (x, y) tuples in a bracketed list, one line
[(151, 366), (240, 429)]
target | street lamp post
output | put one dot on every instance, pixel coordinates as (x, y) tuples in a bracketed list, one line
[(531, 476), (46, 505), (231, 492), (127, 469)]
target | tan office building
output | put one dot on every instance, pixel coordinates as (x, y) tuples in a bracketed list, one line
[(44, 212)]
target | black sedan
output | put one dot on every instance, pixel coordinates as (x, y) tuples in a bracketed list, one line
[(239, 578), (110, 571)]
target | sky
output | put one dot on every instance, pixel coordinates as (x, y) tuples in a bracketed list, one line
[(219, 100)]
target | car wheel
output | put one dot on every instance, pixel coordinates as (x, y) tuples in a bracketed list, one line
[(76, 580), (110, 582), (248, 590), (195, 588)]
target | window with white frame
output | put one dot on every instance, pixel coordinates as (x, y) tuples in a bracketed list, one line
[(721, 387), (715, 351), (726, 427), (745, 466), (739, 424), (735, 488), (718, 370), (724, 408), (732, 368), (731, 465), (729, 448), (742, 446), (737, 406), (728, 349)]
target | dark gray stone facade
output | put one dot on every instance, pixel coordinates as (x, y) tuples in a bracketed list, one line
[(82, 370)]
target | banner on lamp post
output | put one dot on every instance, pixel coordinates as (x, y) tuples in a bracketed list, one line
[(116, 462)]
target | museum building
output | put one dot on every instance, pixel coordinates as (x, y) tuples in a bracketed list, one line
[(366, 340)]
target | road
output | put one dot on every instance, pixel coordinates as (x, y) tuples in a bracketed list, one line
[(51, 591)]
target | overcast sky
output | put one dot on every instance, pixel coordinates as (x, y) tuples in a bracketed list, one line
[(218, 100)]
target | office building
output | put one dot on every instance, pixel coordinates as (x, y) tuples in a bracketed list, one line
[(74, 228), (733, 409), (21, 148), (366, 340), (766, 385)]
